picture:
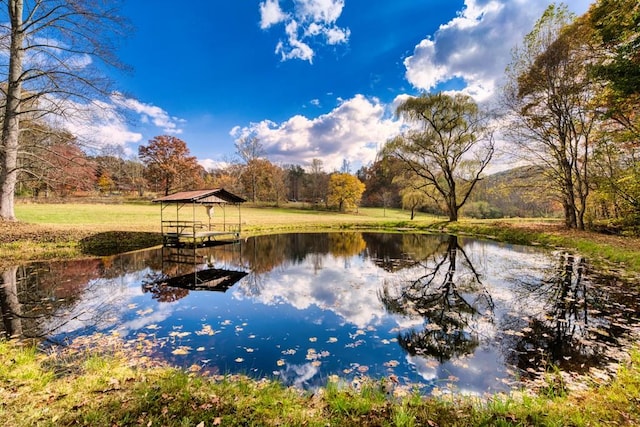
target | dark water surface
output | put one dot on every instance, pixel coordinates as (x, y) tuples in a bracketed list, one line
[(441, 312)]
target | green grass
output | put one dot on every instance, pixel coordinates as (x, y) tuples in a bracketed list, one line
[(142, 217), (146, 217), (112, 385)]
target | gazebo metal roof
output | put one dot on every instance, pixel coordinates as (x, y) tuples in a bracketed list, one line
[(216, 195)]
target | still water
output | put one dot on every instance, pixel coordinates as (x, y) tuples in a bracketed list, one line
[(435, 311)]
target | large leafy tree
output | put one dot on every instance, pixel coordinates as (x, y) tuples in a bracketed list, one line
[(54, 50), (616, 30), (263, 181), (345, 191), (447, 149), (550, 92), (617, 27), (169, 165)]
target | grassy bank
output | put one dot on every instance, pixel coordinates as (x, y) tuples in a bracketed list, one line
[(116, 387), (116, 384)]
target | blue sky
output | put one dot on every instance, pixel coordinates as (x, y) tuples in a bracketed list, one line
[(308, 78)]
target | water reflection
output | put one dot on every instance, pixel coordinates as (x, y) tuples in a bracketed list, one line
[(428, 309), (581, 315), (449, 295)]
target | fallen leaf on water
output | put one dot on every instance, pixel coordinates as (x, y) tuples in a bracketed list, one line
[(179, 334), (181, 351), (391, 363), (144, 312)]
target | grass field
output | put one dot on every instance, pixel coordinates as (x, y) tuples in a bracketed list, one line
[(146, 217)]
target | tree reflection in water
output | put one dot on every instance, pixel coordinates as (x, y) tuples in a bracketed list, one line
[(581, 313), (451, 298), (40, 298)]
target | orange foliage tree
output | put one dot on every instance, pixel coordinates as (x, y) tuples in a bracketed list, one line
[(169, 165)]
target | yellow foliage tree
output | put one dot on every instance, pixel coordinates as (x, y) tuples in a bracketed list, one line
[(345, 191)]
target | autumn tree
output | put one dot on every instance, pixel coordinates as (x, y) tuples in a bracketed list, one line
[(318, 182), (55, 51), (379, 180), (67, 170), (295, 177), (615, 25), (169, 164), (228, 178), (413, 197), (264, 181), (345, 191), (550, 95), (447, 149), (124, 174), (250, 150)]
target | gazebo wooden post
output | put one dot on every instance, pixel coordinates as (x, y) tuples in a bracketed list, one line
[(224, 218)]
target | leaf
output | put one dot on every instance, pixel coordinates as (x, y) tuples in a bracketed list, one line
[(181, 351)]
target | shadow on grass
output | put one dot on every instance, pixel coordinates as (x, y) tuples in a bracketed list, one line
[(115, 242)]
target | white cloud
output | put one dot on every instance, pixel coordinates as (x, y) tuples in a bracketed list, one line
[(309, 20), (109, 123), (210, 164), (150, 113), (97, 124), (354, 130), (476, 45), (271, 14)]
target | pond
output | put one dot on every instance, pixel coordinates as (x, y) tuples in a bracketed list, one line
[(437, 312)]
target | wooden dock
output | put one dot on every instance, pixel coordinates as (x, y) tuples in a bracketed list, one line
[(197, 234)]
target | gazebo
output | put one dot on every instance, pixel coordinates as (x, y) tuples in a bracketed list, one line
[(203, 228)]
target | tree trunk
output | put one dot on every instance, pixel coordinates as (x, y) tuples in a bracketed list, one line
[(452, 207), (10, 308), (11, 125)]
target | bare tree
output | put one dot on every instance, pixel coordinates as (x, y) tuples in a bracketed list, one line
[(55, 50), (250, 149)]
